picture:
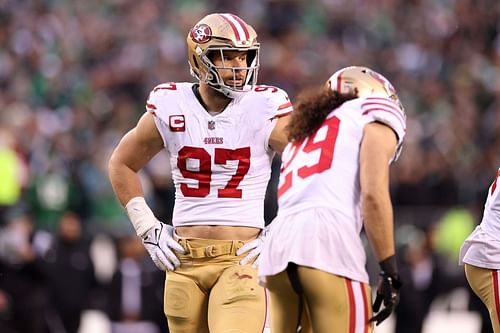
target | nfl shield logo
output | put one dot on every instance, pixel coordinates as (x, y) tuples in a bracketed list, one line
[(211, 124)]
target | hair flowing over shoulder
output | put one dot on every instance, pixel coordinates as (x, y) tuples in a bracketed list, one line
[(312, 107)]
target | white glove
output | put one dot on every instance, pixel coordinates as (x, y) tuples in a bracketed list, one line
[(253, 247), (161, 245), (156, 236)]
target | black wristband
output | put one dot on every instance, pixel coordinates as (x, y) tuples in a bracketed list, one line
[(389, 265)]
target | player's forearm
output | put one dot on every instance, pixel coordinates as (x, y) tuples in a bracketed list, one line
[(378, 223), (125, 181)]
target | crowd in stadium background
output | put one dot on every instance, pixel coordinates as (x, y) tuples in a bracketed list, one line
[(74, 76)]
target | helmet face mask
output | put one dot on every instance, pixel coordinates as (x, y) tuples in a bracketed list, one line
[(214, 36), (214, 76)]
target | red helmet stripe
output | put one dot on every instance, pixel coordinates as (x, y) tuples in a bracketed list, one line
[(243, 26), (339, 82), (233, 26)]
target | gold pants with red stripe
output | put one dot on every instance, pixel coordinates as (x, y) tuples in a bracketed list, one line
[(332, 303), (212, 292), (485, 284)]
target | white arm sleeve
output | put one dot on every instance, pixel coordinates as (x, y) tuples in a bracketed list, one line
[(140, 215)]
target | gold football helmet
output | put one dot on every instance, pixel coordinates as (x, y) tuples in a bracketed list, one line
[(362, 80), (219, 33)]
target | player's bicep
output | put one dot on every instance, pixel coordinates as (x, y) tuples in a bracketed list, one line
[(377, 149), (139, 145), (279, 136)]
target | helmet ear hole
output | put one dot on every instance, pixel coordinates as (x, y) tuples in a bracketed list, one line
[(251, 54), (210, 55), (211, 78)]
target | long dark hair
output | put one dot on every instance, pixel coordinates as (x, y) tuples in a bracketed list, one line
[(311, 109)]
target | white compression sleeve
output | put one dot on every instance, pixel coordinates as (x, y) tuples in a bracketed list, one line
[(140, 215)]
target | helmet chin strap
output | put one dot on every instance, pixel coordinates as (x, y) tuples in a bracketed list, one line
[(226, 91), (217, 83)]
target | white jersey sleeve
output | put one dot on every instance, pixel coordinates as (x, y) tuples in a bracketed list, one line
[(278, 101), (274, 102), (163, 95), (388, 112)]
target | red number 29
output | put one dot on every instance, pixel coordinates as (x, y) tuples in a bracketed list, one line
[(326, 146), (204, 173)]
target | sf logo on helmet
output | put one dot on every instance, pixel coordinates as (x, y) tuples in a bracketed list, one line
[(201, 33)]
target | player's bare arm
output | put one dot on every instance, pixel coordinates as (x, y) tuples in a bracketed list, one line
[(133, 152), (136, 149), (377, 149), (279, 137)]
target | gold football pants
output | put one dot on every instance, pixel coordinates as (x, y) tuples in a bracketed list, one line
[(485, 284), (330, 303), (212, 292)]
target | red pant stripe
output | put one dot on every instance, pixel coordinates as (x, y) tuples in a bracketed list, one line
[(352, 307), (496, 292)]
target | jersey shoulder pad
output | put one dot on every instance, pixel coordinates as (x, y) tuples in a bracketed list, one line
[(276, 100), (164, 98), (388, 112), (384, 110)]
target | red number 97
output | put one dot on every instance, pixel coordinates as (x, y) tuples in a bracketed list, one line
[(204, 172)]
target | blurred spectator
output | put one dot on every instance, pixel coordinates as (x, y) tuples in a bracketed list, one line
[(45, 281), (450, 231), (135, 299), (427, 275), (69, 273), (11, 173), (24, 299)]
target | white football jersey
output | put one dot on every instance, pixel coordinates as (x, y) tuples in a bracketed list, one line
[(482, 247), (319, 192), (220, 164), (331, 156)]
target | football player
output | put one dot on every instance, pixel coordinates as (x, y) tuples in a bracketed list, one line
[(335, 180), (221, 134), (480, 254)]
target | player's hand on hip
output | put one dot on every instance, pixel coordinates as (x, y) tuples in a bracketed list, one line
[(253, 249), (388, 294), (160, 244)]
